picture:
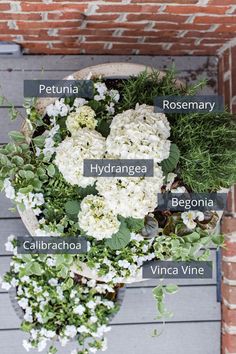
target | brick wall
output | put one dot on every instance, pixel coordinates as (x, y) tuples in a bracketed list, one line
[(179, 27)]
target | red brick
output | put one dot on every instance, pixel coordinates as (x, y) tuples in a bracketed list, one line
[(183, 2), (229, 293), (128, 8), (215, 19), (222, 2), (157, 17), (20, 16), (229, 316), (229, 268), (182, 26), (233, 54), (115, 25), (194, 9), (228, 224), (111, 39), (66, 15), (45, 24), (41, 7), (5, 6), (229, 342)]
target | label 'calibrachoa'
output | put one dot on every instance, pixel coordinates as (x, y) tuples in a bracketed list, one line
[(43, 171)]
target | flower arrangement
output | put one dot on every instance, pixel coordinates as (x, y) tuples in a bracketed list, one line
[(119, 217)]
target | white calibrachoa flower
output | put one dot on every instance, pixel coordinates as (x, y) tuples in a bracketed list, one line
[(79, 310), (139, 133), (131, 196), (96, 219), (189, 218), (83, 117), (72, 151)]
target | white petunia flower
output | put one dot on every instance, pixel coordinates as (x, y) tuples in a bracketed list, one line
[(57, 108), (79, 102), (101, 90)]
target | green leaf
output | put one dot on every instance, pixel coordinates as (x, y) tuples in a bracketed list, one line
[(72, 207), (17, 160), (26, 190), (63, 271), (193, 237), (120, 239), (51, 170), (36, 268), (171, 162), (171, 288), (17, 136), (39, 141), (13, 112), (134, 225)]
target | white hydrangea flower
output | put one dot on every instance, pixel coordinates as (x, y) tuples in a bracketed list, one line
[(84, 116), (58, 108), (96, 219), (189, 218), (72, 151), (131, 196), (139, 133)]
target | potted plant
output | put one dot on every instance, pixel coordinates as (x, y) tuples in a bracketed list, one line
[(42, 172)]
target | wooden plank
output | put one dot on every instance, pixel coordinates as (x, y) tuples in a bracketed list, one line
[(139, 307), (8, 227), (7, 124), (14, 93), (5, 205), (182, 338), (76, 62)]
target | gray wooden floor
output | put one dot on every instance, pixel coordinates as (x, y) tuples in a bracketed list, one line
[(195, 327)]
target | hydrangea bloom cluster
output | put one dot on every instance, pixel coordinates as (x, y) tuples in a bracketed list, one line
[(139, 133), (84, 116), (96, 219), (71, 152)]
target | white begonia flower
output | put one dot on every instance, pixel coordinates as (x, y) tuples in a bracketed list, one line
[(79, 102), (131, 196), (9, 189), (84, 117), (72, 151), (101, 90), (58, 108), (70, 331), (27, 345), (180, 190), (189, 218), (139, 133), (79, 310), (96, 219), (53, 282)]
